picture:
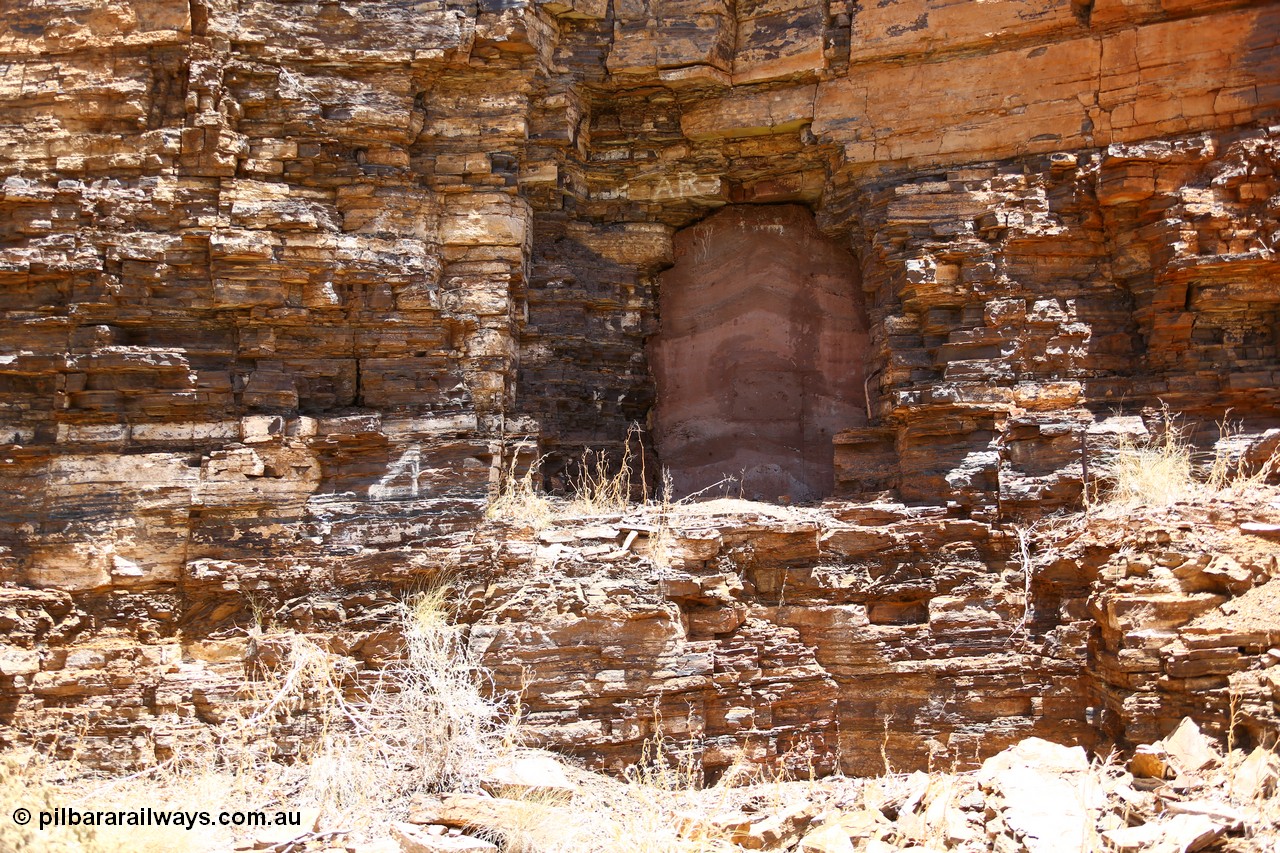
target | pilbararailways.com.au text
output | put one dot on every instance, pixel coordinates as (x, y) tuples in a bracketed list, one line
[(149, 817)]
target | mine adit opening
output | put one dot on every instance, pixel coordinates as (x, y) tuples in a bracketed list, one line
[(760, 354)]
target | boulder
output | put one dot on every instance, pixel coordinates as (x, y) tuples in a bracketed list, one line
[(1044, 795), (1179, 834), (414, 839), (1256, 776), (537, 775), (1190, 748), (828, 838), (1150, 761)]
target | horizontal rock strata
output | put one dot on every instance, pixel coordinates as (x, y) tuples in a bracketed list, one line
[(283, 286), (807, 639)]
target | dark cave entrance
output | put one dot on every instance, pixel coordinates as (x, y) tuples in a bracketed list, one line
[(760, 355)]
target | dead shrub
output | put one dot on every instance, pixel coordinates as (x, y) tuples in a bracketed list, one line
[(313, 732), (518, 498), (1166, 468), (605, 485), (427, 722)]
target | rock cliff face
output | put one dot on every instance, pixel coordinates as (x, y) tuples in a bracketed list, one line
[(760, 358), (280, 283)]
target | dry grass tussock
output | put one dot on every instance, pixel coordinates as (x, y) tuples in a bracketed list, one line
[(665, 811), (439, 733), (426, 722), (604, 815), (518, 498), (1166, 468), (29, 782), (602, 484), (605, 487), (661, 806)]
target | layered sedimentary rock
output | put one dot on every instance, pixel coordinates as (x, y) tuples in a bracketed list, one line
[(761, 355), (281, 284)]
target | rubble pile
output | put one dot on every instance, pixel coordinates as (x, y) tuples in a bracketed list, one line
[(1179, 795)]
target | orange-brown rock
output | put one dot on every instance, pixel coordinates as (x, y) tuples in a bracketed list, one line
[(283, 286), (771, 312)]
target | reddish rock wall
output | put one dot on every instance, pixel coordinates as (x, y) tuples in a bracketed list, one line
[(759, 359), (279, 282)]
